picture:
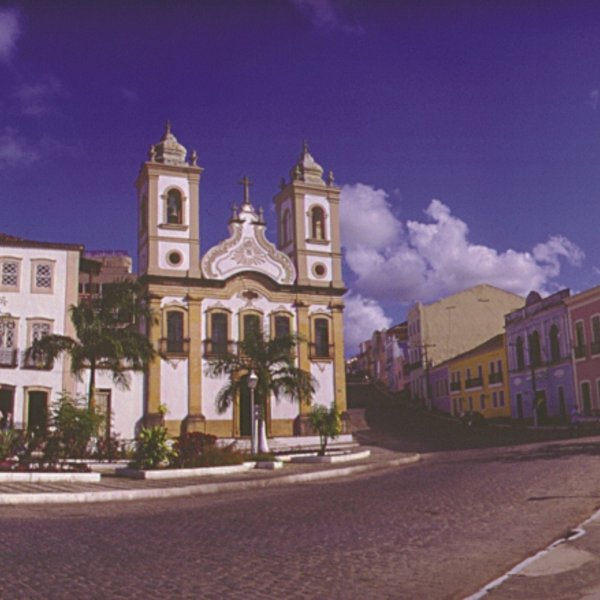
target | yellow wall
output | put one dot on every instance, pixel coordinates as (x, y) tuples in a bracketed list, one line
[(472, 362)]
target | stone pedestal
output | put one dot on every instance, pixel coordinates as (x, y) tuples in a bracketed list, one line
[(194, 423), (153, 420)]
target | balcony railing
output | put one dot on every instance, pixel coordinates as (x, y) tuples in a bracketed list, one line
[(179, 347), (473, 382), (8, 358), (320, 351), (595, 347), (219, 348), (580, 351), (42, 363), (455, 386), (495, 378)]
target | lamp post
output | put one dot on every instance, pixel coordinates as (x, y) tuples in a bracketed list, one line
[(252, 381)]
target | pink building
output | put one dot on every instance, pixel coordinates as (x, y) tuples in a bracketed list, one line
[(584, 330)]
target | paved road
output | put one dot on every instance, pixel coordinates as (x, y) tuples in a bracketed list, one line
[(439, 529)]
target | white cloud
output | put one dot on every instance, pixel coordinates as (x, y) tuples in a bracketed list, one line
[(593, 98), (324, 16), (10, 30), (406, 262), (14, 150), (361, 318), (37, 98)]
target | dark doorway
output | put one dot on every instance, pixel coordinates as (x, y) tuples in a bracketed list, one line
[(542, 407), (37, 412), (7, 406)]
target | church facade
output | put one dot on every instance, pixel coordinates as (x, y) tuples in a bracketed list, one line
[(206, 304)]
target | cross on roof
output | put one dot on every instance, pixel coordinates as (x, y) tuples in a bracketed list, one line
[(246, 183)]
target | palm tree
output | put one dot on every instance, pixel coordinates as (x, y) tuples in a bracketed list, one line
[(273, 362), (108, 336)]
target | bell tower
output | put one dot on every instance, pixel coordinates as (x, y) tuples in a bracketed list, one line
[(308, 220), (169, 210)]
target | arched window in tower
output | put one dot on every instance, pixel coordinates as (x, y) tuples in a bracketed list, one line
[(317, 221), (174, 207), (554, 344), (321, 348), (285, 227)]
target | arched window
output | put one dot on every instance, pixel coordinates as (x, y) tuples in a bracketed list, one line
[(321, 339), (218, 334), (282, 326), (250, 326), (174, 207), (175, 336), (285, 227), (317, 223), (535, 353), (554, 344), (520, 353)]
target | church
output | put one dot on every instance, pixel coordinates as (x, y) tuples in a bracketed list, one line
[(206, 303)]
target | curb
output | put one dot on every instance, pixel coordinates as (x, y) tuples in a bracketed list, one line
[(198, 489)]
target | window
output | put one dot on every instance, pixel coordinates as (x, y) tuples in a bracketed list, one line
[(501, 397), (219, 333), (282, 326), (520, 353), (579, 340), (470, 402), (554, 344), (596, 335), (251, 326), (285, 227), (9, 275), (586, 398), (321, 339), (535, 353), (495, 399), (174, 207), (8, 342), (482, 401), (175, 332), (38, 328), (317, 223), (42, 276)]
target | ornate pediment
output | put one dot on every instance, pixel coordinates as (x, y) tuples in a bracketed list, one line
[(247, 249)]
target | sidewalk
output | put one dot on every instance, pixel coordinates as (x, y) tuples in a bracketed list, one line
[(568, 568), (112, 488)]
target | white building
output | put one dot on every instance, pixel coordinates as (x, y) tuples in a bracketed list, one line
[(38, 283)]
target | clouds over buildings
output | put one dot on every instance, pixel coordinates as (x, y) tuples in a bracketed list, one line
[(39, 97), (15, 150), (404, 262), (10, 30)]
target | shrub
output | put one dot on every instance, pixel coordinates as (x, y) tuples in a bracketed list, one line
[(215, 456), (153, 448), (190, 447), (327, 423), (75, 425), (10, 440)]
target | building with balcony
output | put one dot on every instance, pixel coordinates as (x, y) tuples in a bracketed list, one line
[(451, 326), (538, 345), (38, 284), (208, 304), (479, 380), (584, 332)]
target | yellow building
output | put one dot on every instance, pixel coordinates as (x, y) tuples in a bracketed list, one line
[(479, 380), (207, 303)]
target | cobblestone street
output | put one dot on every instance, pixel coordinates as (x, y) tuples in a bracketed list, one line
[(438, 529)]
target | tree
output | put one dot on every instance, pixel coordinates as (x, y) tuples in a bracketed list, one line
[(327, 422), (273, 361), (108, 336)]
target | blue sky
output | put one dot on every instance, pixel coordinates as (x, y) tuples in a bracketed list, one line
[(490, 109)]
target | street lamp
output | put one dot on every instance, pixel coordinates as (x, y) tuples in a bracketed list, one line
[(252, 381)]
